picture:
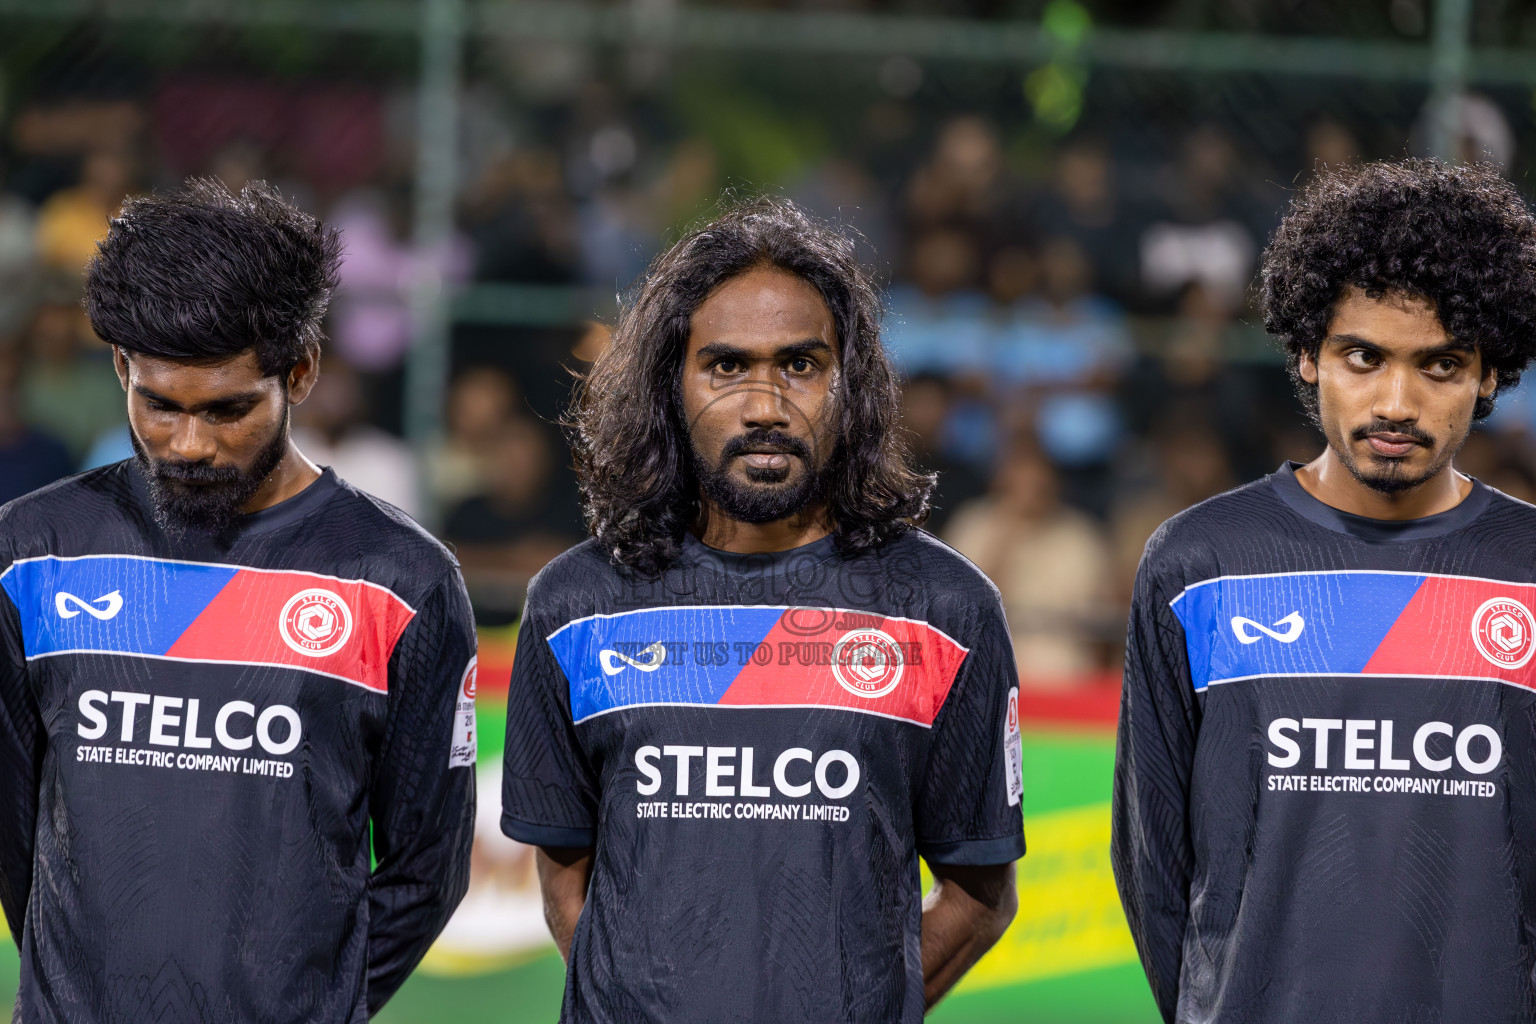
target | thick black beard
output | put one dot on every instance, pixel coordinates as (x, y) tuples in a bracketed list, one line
[(198, 497), (760, 502)]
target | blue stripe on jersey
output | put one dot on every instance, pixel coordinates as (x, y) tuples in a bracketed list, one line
[(117, 603), (1237, 627), (614, 661)]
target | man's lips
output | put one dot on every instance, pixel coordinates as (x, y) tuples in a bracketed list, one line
[(1392, 445), (766, 459)]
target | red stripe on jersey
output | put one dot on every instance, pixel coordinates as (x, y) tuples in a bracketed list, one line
[(1461, 627), (893, 667), (342, 628)]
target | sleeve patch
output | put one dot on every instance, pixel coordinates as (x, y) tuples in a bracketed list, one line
[(1013, 749), (462, 753)]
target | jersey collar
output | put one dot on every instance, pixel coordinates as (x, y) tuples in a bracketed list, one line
[(760, 563), (1290, 491)]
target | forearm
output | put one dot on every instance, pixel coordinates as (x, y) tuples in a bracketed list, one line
[(564, 874), (964, 915)]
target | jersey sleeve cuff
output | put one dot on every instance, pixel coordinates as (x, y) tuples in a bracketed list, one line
[(547, 835), (974, 851)]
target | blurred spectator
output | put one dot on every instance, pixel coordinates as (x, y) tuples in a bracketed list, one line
[(371, 319), (29, 458), (1203, 237), (238, 163), (962, 183), (1066, 348), (73, 220), (521, 220), (332, 429), (1501, 458), (1330, 144), (18, 260), (938, 322), (926, 411), (1190, 465), (481, 401), (1051, 563), (840, 191), (1188, 372), (1082, 204), (1480, 131), (68, 387), (518, 523)]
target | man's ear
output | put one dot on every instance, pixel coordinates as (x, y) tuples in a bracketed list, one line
[(120, 364), (301, 379), (1306, 367), (1490, 382)]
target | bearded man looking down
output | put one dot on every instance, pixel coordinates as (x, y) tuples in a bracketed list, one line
[(229, 681), (758, 693)]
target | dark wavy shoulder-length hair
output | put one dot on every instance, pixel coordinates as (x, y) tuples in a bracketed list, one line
[(1457, 236), (632, 449)]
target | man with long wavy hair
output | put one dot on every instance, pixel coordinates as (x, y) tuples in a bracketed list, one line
[(757, 694)]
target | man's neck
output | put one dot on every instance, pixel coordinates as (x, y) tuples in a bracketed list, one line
[(720, 531), (1328, 480), (292, 475)]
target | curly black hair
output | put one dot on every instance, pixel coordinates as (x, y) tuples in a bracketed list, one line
[(628, 433), (202, 273), (1459, 237)]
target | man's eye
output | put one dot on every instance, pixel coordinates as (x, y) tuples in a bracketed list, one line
[(157, 406), (727, 366), (800, 364), (1360, 357)]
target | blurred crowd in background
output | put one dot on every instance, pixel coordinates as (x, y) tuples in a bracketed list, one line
[(1072, 310)]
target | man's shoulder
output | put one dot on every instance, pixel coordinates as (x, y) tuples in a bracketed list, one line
[(390, 530), (80, 500), (935, 564), (1229, 516), (577, 573)]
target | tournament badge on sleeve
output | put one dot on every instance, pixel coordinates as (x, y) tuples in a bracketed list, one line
[(462, 753)]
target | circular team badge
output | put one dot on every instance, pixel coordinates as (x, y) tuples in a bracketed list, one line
[(867, 663), (1505, 632), (315, 623)]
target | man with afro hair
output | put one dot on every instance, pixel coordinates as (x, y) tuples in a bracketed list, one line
[(1325, 792)]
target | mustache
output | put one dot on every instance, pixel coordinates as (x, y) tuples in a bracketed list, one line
[(1412, 430), (754, 439), (195, 474)]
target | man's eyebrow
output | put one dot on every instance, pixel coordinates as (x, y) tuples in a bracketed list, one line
[(1453, 345), (217, 405), (721, 350), (805, 347), (725, 350)]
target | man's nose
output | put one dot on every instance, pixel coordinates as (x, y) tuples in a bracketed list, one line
[(764, 407), (1394, 398), (192, 440)]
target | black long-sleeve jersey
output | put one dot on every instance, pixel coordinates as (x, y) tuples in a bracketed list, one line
[(760, 747), (201, 745), (1325, 796)]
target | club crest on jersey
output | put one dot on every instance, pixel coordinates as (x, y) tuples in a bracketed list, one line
[(867, 663), (315, 622), (1505, 632)]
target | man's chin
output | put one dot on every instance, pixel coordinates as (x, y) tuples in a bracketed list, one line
[(1393, 476), (748, 499)]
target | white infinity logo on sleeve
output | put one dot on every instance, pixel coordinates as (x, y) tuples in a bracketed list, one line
[(113, 603), (1293, 622), (611, 659)]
